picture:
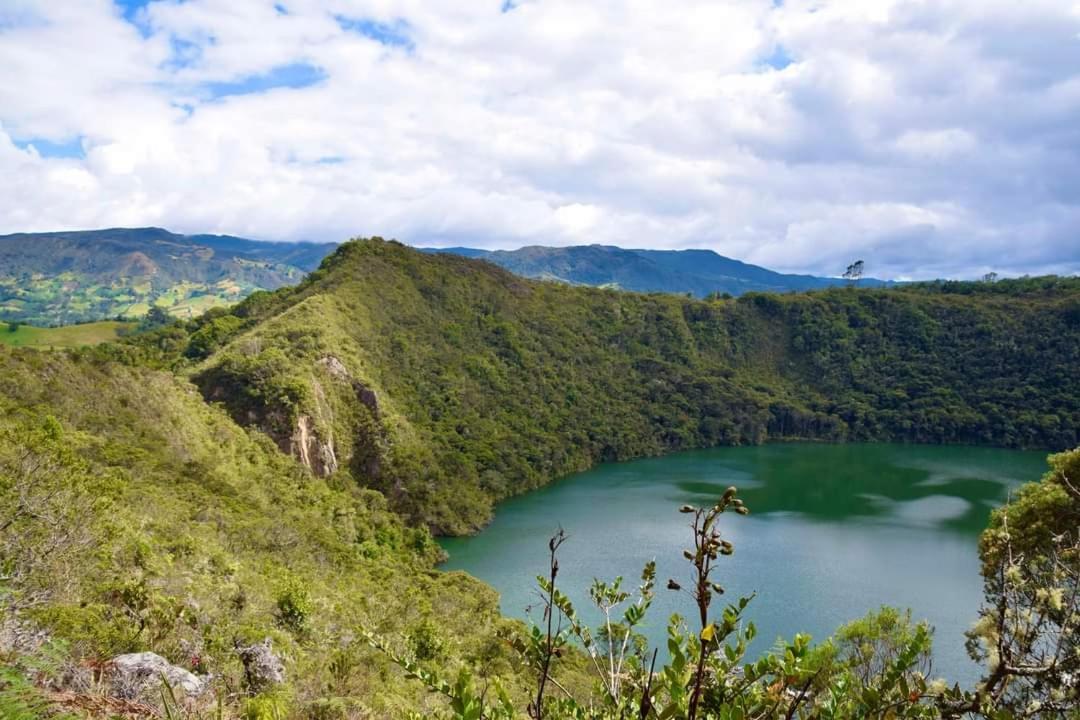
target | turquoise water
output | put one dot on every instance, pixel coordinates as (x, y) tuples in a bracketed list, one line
[(834, 531)]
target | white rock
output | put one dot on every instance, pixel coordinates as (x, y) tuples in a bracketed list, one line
[(138, 675)]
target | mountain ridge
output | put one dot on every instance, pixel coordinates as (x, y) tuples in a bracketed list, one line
[(700, 272)]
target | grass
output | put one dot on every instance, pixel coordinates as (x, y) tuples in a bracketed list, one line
[(136, 310), (69, 336), (195, 306)]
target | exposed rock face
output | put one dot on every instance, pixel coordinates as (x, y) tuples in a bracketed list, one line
[(367, 396), (336, 368), (262, 668), (306, 435), (305, 446), (326, 461), (367, 451), (138, 677), (364, 394)]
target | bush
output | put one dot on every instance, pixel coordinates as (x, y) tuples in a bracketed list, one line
[(265, 707), (294, 605)]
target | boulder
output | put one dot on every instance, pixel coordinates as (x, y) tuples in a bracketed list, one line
[(335, 367), (262, 668), (138, 676)]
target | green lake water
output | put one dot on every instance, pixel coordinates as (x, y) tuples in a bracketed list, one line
[(834, 531)]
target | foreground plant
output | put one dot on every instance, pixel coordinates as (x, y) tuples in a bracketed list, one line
[(465, 703), (1028, 632)]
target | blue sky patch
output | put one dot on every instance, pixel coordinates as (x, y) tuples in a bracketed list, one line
[(295, 76), (391, 34), (507, 6), (131, 10), (13, 18), (779, 59), (185, 53), (131, 7), (69, 148)]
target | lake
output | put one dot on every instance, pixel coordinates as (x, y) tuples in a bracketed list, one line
[(834, 531)]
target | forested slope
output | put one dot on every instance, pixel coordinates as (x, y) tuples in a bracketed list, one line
[(448, 383), (134, 517)]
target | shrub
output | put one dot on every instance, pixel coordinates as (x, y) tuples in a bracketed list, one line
[(294, 605)]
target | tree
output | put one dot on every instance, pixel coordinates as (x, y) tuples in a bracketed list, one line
[(854, 272), (13, 326), (990, 277), (155, 318), (1028, 632)]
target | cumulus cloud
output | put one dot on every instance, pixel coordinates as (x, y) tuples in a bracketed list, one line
[(930, 138)]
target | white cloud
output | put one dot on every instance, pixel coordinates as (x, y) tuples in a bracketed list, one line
[(577, 219), (929, 138), (936, 144)]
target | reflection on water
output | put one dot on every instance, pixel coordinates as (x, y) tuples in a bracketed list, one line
[(833, 482), (834, 531)]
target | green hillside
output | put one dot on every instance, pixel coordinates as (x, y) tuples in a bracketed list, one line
[(179, 533), (76, 277), (448, 383)]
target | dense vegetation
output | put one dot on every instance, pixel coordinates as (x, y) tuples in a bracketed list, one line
[(137, 516), (134, 517), (49, 279), (448, 383)]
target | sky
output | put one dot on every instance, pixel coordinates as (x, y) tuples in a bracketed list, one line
[(930, 138)]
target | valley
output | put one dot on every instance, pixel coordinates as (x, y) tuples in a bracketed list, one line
[(539, 360), (64, 278), (486, 385), (273, 474)]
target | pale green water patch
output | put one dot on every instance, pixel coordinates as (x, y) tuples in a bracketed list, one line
[(834, 531)]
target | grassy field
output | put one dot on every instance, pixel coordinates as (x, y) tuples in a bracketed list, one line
[(67, 299), (62, 337), (196, 305)]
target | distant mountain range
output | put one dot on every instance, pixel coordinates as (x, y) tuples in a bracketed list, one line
[(61, 278), (699, 272), (67, 277)]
